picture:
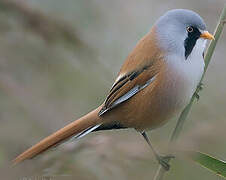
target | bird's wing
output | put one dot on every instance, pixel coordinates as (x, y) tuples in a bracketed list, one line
[(127, 86), (139, 70)]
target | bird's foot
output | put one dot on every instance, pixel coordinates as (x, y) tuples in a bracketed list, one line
[(197, 95), (199, 88), (164, 161)]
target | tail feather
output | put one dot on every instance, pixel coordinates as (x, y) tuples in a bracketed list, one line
[(85, 132), (78, 128)]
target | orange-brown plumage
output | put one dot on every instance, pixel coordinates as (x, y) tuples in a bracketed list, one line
[(144, 54), (145, 58), (149, 89), (60, 136), (145, 110)]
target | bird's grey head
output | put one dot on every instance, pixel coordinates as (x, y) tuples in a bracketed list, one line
[(178, 31)]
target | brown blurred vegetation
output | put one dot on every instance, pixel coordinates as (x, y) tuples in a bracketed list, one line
[(57, 61)]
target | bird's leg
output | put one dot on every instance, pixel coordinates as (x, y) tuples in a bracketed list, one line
[(163, 160), (199, 88)]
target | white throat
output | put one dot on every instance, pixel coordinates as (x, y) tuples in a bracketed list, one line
[(190, 69), (195, 62)]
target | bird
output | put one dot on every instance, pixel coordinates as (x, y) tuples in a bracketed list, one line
[(155, 83)]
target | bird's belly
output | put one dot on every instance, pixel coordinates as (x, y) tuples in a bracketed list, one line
[(160, 104), (160, 101), (175, 90), (170, 99), (156, 104)]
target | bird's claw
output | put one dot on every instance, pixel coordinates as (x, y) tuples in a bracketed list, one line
[(199, 88), (164, 161), (197, 95)]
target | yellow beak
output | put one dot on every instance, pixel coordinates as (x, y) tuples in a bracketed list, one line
[(207, 35)]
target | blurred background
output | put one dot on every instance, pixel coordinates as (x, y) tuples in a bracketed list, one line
[(58, 60)]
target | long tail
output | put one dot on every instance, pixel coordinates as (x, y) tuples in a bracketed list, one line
[(77, 129)]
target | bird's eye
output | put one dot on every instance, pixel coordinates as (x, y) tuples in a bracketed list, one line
[(190, 29)]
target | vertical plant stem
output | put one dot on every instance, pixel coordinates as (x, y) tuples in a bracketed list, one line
[(161, 171)]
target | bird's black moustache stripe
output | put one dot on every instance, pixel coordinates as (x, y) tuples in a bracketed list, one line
[(190, 41)]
